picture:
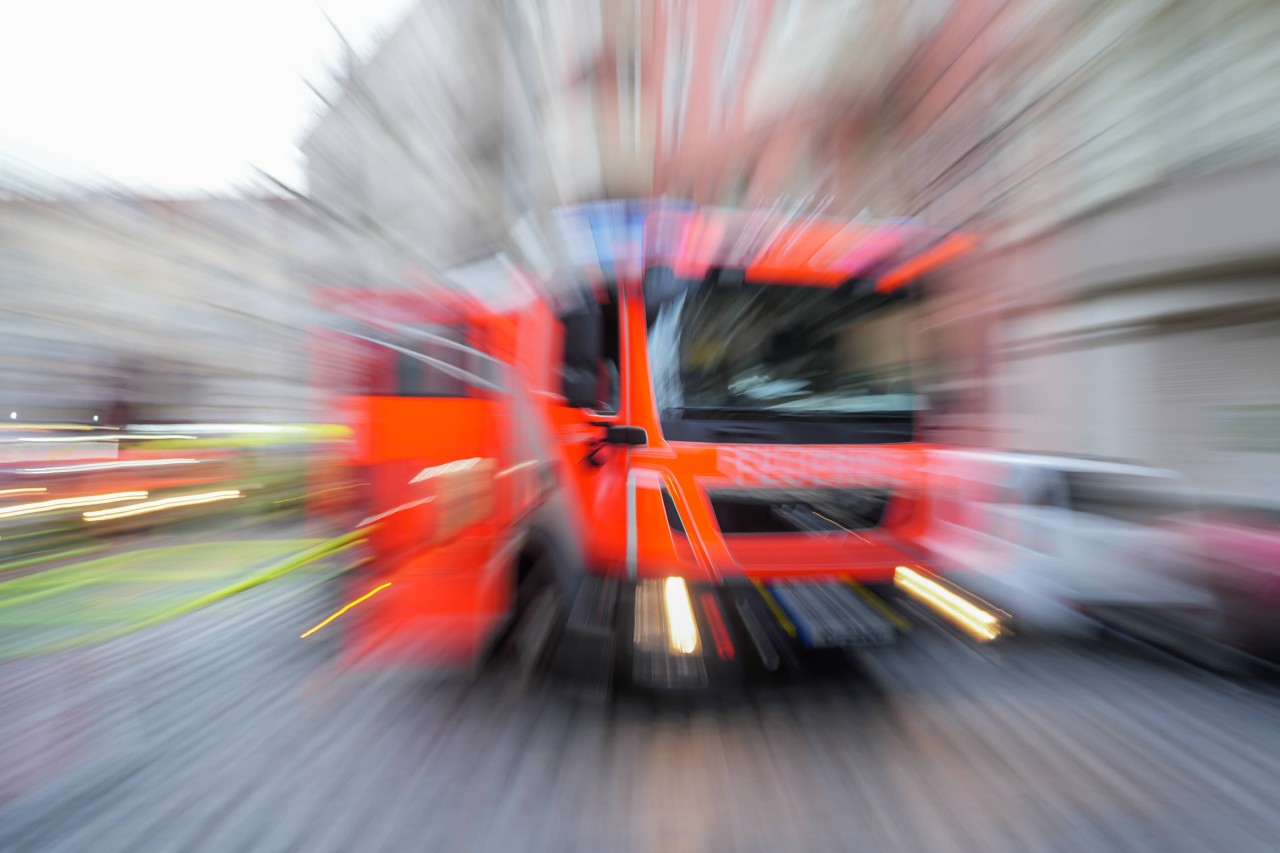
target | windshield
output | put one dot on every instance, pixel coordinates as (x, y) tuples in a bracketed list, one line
[(781, 350), (1136, 499)]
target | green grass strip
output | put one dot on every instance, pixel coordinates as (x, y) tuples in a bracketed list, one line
[(328, 548), (108, 568), (14, 600)]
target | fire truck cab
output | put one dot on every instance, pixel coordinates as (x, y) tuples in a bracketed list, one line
[(704, 453)]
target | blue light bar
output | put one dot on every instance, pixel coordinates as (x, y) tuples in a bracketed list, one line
[(608, 236)]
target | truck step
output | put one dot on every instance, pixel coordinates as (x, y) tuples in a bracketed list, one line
[(592, 611), (585, 652), (831, 615)]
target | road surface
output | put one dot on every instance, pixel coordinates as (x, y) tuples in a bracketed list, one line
[(222, 730)]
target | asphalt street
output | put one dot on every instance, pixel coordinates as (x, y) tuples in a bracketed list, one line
[(222, 730)]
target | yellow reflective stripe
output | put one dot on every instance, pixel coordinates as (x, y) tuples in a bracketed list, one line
[(895, 618), (777, 610)]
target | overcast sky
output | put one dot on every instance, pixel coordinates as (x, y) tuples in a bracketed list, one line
[(171, 96)]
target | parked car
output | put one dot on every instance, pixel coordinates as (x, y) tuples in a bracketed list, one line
[(1062, 543)]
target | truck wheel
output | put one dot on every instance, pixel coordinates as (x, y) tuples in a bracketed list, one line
[(534, 624)]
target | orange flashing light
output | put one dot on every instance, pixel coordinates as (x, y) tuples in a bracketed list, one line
[(948, 250)]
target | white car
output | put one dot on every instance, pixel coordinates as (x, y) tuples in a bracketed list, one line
[(1060, 541)]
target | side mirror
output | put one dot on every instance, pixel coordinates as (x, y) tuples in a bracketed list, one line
[(629, 436)]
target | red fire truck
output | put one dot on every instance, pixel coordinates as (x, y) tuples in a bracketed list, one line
[(695, 452)]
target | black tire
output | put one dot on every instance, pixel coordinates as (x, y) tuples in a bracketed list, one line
[(536, 618)]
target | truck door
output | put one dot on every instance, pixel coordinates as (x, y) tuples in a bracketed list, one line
[(593, 469)]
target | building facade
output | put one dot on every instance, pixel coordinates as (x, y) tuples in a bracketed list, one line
[(1121, 160), (154, 309)]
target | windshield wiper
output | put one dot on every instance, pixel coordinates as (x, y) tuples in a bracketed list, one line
[(723, 411), (754, 414), (735, 412)]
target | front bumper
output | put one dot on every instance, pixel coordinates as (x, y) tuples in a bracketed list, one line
[(668, 634)]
